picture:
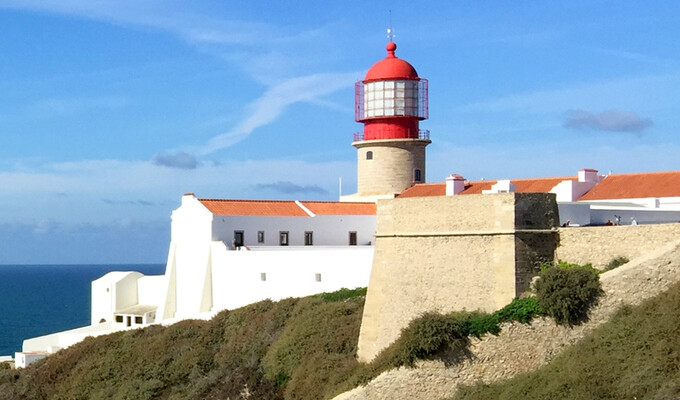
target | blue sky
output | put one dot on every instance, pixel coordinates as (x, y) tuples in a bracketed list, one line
[(111, 110)]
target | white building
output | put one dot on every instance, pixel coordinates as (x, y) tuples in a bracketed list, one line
[(585, 199), (225, 254)]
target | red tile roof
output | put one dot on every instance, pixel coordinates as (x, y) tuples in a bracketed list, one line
[(338, 208), (527, 185), (533, 185), (636, 186), (424, 190), (254, 207), (285, 208)]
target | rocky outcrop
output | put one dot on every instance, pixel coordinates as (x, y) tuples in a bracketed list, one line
[(522, 348)]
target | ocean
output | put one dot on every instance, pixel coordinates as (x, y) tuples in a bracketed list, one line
[(37, 300)]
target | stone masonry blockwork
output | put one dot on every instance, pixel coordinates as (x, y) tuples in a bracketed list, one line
[(451, 253)]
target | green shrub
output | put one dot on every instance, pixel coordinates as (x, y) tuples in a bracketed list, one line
[(522, 310), (478, 324), (423, 337), (567, 265), (615, 263), (566, 294), (343, 294)]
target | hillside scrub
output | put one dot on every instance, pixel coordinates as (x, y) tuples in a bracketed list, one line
[(293, 349), (636, 355), (220, 358)]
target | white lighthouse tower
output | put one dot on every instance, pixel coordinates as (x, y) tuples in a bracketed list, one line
[(390, 102)]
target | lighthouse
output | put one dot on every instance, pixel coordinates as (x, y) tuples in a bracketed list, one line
[(390, 102)]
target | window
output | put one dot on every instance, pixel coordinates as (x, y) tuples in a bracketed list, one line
[(352, 238), (417, 176), (317, 277), (283, 238), (260, 236), (128, 321), (263, 276), (119, 319), (138, 320), (369, 155), (238, 239), (309, 238)]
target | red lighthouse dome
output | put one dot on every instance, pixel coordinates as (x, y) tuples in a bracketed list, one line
[(391, 99), (391, 67)]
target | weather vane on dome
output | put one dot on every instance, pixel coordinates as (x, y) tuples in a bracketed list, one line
[(390, 32)]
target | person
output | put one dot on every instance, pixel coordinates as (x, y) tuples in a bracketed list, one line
[(633, 221), (609, 223), (566, 223)]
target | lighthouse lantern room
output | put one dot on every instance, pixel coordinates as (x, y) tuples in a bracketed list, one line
[(390, 102)]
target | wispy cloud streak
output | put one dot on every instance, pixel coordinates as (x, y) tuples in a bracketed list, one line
[(274, 101)]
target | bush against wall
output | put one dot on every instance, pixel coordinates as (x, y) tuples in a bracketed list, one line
[(567, 293)]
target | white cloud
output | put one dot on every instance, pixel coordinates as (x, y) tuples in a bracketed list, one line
[(179, 160), (274, 101), (612, 121)]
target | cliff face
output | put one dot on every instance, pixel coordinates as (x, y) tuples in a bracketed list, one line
[(522, 348)]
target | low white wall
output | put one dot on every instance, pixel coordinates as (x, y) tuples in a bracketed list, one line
[(68, 338), (237, 275), (599, 216)]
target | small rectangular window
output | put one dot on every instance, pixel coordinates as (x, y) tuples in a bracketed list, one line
[(238, 239), (260, 236), (119, 319), (309, 238), (417, 175), (138, 320), (317, 277), (263, 276), (283, 238), (352, 238)]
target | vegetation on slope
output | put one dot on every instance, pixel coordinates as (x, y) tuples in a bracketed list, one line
[(293, 349), (221, 358), (636, 355)]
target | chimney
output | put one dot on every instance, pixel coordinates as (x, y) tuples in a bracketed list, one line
[(587, 175), (454, 184)]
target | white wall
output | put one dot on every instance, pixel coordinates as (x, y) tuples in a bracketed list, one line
[(575, 213), (125, 291), (663, 203), (191, 233), (569, 190), (68, 338), (600, 215), (149, 290), (290, 272)]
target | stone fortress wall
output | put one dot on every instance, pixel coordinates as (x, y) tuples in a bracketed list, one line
[(600, 244), (654, 251), (521, 348), (449, 253)]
